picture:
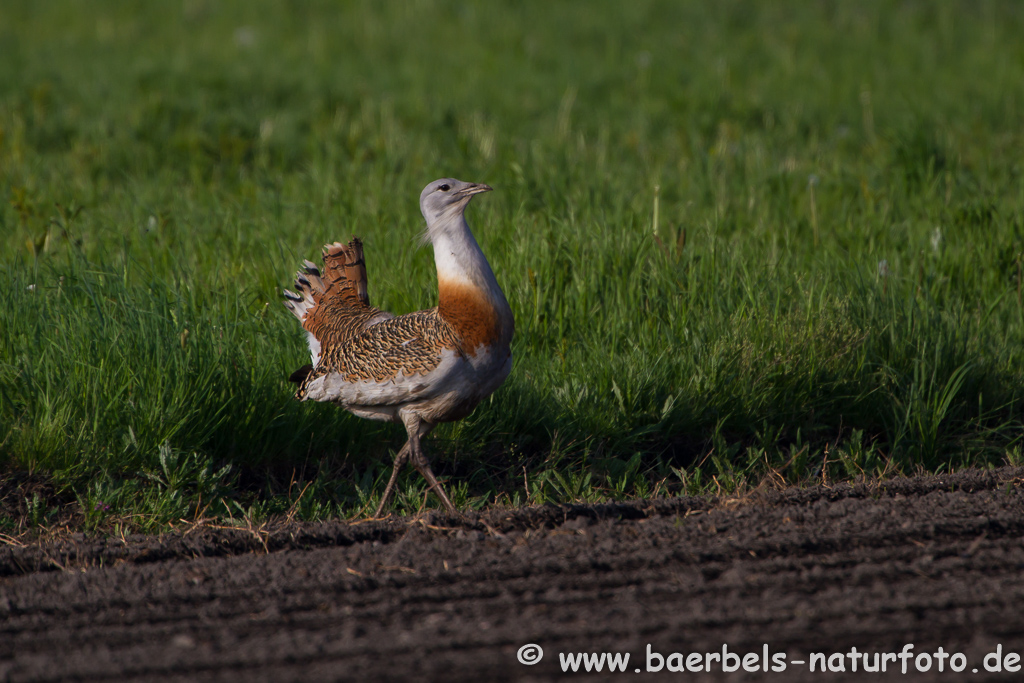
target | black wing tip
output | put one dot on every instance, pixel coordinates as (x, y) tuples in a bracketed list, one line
[(300, 375)]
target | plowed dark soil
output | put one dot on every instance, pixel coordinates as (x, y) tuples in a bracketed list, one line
[(932, 561)]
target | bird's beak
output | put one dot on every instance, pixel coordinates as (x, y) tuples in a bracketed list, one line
[(475, 188)]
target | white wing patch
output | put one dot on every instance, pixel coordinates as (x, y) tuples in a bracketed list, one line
[(455, 382), (314, 347), (402, 388)]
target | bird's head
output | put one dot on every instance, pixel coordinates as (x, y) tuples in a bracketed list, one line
[(446, 199)]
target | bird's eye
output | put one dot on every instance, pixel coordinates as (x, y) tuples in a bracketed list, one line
[(445, 187)]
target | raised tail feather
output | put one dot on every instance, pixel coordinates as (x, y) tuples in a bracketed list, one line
[(334, 305)]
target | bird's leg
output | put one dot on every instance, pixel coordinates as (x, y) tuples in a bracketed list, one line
[(420, 462), (417, 429), (401, 457)]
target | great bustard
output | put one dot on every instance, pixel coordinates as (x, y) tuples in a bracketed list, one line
[(421, 368)]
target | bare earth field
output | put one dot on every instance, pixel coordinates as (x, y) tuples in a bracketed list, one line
[(933, 561)]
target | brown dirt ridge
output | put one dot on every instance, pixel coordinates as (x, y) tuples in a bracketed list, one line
[(931, 560)]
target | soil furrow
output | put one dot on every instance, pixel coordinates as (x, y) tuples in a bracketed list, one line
[(930, 561)]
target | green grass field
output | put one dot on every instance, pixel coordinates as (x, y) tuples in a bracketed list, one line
[(740, 242)]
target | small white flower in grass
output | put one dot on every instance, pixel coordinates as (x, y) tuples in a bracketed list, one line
[(936, 239), (31, 287), (245, 36), (812, 180), (883, 273), (266, 129)]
